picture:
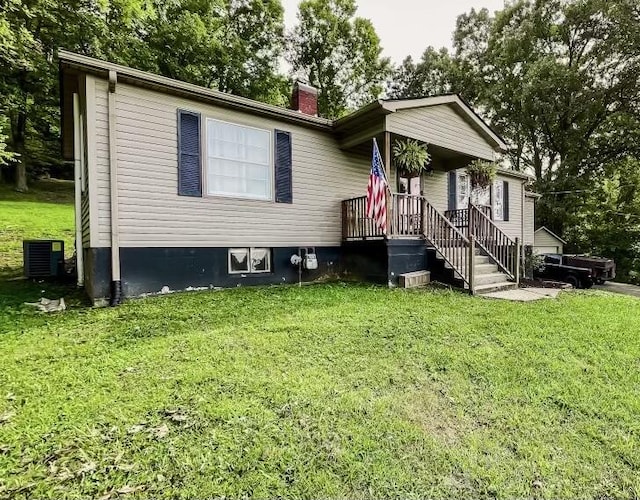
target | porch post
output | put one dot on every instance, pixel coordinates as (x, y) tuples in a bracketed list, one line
[(471, 264), (518, 259), (387, 165)]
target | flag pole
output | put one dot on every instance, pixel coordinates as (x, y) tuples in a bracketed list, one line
[(386, 177)]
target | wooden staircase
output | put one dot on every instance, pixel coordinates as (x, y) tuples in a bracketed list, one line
[(483, 260), (488, 277)]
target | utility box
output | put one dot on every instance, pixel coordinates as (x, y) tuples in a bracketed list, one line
[(43, 258)]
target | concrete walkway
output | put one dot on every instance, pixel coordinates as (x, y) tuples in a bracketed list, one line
[(623, 288), (525, 294)]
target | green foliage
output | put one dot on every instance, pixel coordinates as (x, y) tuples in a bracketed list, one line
[(411, 156), (5, 155), (607, 221), (434, 74), (481, 173), (379, 393), (339, 54), (230, 45), (45, 212), (559, 81)]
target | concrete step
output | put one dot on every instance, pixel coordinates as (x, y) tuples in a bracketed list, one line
[(490, 278), (486, 268), (414, 279), (495, 287), (478, 259)]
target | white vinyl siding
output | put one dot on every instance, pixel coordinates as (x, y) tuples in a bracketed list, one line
[(435, 187), (512, 227), (546, 243), (529, 220), (151, 214), (440, 126), (102, 179)]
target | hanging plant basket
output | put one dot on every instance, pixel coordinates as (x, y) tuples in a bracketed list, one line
[(411, 156), (481, 174)]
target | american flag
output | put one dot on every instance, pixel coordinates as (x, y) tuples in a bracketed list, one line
[(377, 191)]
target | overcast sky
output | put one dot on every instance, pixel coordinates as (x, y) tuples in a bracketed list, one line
[(407, 27)]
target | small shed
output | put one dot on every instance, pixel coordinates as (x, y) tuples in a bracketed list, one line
[(546, 241)]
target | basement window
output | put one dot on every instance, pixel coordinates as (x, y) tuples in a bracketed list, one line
[(249, 260)]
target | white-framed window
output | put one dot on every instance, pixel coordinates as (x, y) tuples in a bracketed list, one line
[(239, 161), (498, 200), (481, 196), (464, 190), (249, 260)]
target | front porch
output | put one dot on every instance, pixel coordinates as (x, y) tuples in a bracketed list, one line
[(462, 247)]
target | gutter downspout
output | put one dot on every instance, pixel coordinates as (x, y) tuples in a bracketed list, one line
[(77, 174), (116, 284)]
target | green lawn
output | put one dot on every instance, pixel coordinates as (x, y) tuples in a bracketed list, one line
[(46, 211), (327, 391)]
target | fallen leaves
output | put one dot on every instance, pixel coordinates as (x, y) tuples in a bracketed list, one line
[(6, 417), (124, 490), (160, 432)]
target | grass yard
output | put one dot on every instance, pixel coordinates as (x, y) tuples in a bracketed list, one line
[(46, 211), (327, 391)]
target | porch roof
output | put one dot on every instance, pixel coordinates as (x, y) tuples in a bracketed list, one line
[(384, 115)]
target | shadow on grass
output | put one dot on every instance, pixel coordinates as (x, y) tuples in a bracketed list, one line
[(15, 290)]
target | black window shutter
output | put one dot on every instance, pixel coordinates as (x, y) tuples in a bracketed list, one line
[(283, 167), (453, 190), (505, 200), (189, 157)]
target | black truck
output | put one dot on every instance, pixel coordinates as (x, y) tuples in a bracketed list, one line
[(580, 271)]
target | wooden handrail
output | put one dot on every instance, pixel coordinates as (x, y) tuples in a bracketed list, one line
[(450, 243), (501, 249), (412, 216)]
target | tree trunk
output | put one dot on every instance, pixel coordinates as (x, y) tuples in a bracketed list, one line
[(18, 133)]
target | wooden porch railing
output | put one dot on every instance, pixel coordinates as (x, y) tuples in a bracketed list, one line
[(413, 216), (460, 217), (454, 247), (501, 249), (404, 218)]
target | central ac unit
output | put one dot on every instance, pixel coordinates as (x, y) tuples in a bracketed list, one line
[(43, 258)]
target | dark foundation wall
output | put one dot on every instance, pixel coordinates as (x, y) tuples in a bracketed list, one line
[(149, 270), (381, 261), (366, 260), (405, 256), (97, 273)]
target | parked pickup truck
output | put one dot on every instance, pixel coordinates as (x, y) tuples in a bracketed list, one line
[(581, 271)]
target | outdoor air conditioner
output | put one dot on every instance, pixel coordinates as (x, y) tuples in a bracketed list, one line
[(43, 258)]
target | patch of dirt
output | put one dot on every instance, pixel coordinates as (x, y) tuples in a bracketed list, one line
[(436, 412)]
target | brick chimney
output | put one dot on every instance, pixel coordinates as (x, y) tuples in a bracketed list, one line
[(304, 98)]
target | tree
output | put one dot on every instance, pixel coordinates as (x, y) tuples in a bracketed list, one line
[(435, 73), (31, 32), (231, 45), (338, 53)]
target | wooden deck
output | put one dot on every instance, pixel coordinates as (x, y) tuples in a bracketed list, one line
[(455, 235)]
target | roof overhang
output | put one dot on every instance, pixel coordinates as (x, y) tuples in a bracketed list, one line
[(514, 173), (456, 102), (69, 61)]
